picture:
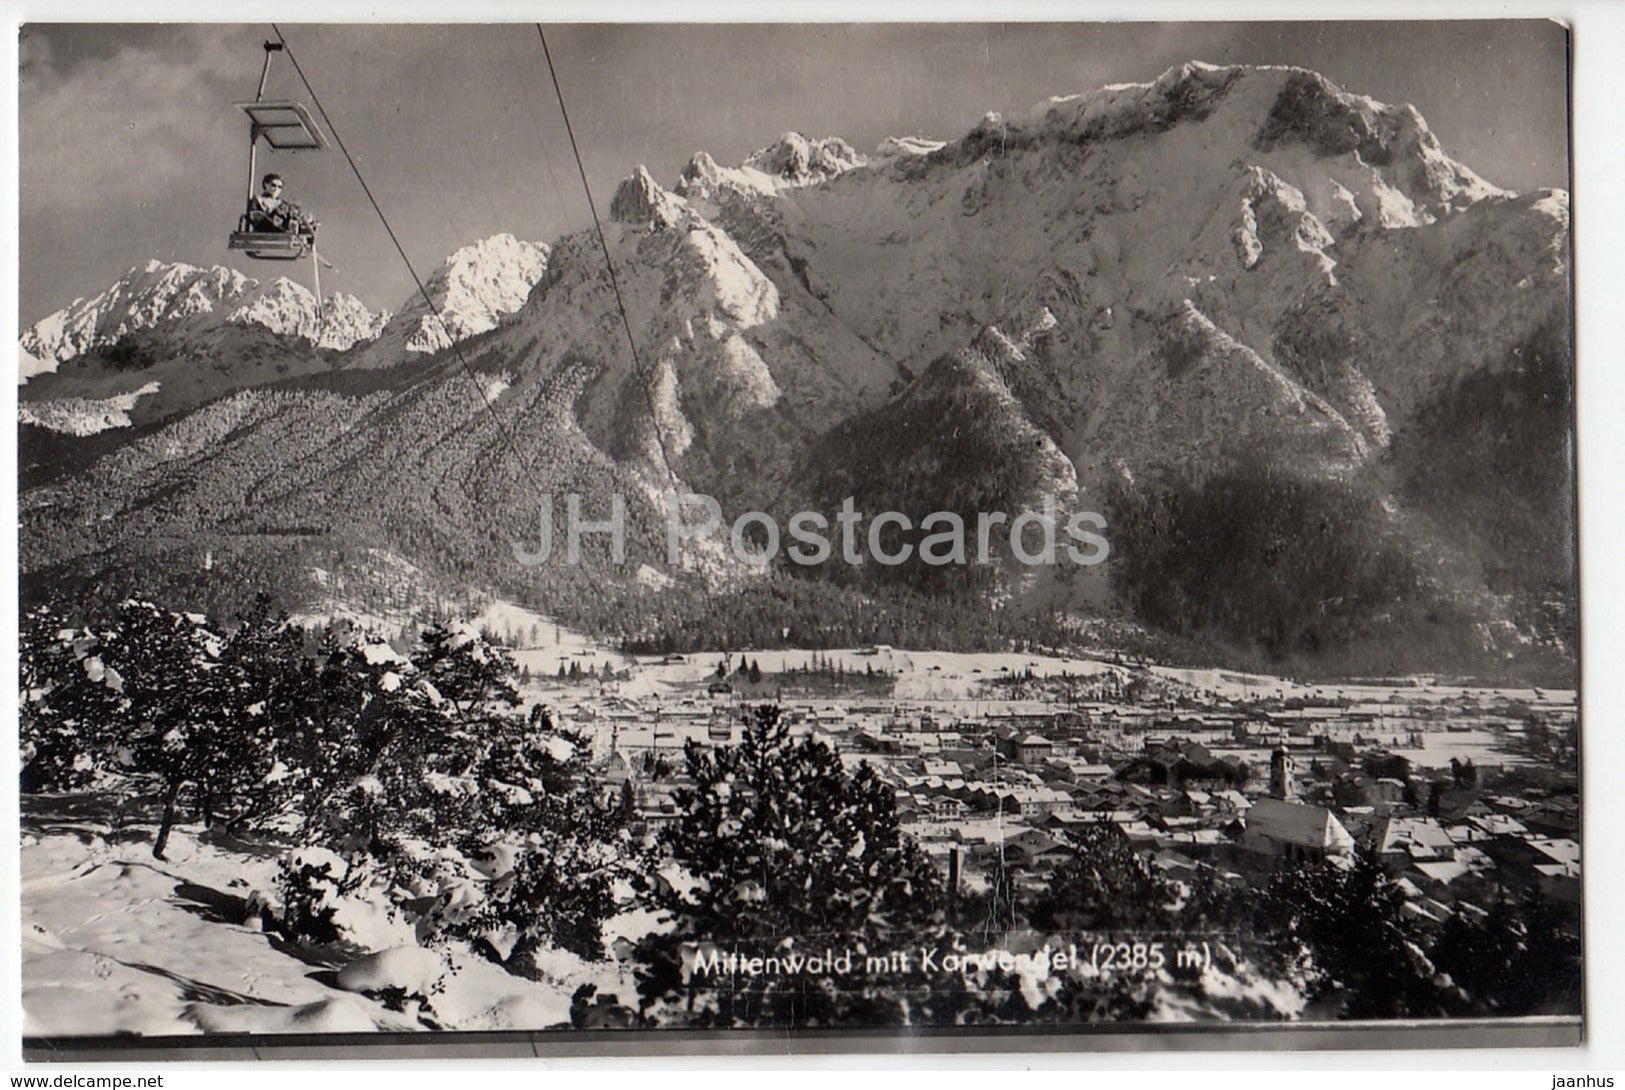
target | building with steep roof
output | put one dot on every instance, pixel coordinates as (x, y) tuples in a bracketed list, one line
[(1295, 830), (1403, 840)]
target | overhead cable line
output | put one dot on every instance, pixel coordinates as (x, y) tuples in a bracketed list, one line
[(526, 92), (422, 290), (609, 264)]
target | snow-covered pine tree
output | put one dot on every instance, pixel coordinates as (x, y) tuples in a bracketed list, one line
[(538, 803), (467, 668), (64, 723), (165, 707), (781, 842)]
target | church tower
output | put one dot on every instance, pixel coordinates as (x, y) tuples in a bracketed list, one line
[(1282, 767)]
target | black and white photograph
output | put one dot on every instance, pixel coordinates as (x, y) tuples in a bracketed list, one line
[(569, 536)]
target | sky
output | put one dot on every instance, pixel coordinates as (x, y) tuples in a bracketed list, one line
[(130, 147)]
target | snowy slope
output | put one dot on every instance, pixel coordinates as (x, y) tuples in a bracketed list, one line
[(114, 941), (84, 416), (29, 365)]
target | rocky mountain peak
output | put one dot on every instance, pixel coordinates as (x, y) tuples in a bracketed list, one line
[(801, 160), (472, 290), (640, 201), (1268, 109), (793, 161)]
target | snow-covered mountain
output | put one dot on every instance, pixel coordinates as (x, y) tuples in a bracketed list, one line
[(287, 308), (167, 337), (472, 290), (184, 300), (142, 298), (185, 304), (1224, 216), (790, 162), (1129, 296)]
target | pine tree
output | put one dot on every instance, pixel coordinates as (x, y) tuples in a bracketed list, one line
[(1351, 925), (784, 842), (1107, 886), (157, 693), (467, 669), (62, 723)]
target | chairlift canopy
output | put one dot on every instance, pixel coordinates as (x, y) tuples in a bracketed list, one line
[(286, 126)]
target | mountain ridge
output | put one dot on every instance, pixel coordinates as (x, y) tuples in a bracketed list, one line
[(1203, 282), (162, 294)]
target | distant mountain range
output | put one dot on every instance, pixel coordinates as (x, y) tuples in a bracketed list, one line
[(1315, 373), (183, 300)]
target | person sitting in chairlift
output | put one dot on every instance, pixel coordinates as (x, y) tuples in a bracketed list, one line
[(268, 211)]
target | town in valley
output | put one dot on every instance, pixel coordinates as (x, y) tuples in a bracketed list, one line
[(1467, 794)]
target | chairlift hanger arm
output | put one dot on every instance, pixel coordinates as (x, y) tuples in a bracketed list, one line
[(286, 125), (270, 47)]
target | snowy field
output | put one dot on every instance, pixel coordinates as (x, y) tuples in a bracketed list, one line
[(942, 675), (114, 941)]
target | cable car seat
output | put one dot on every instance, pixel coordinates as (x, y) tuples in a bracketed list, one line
[(266, 235)]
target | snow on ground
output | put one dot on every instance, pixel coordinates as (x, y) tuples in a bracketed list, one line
[(385, 572), (544, 646), (82, 415), (335, 612), (1239, 993), (1233, 685), (29, 365), (114, 941), (917, 675)]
